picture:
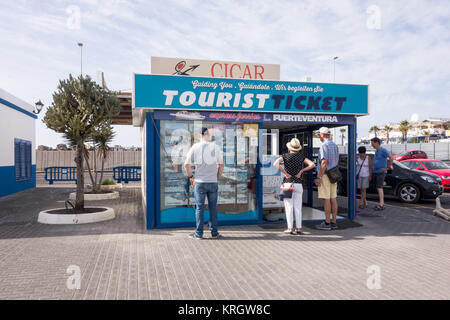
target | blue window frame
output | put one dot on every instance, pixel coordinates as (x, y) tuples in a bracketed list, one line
[(22, 159)]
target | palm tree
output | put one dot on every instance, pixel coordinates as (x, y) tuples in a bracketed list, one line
[(404, 127), (427, 135), (101, 138), (387, 129), (374, 129)]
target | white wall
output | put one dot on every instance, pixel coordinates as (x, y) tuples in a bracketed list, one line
[(14, 100), (15, 124)]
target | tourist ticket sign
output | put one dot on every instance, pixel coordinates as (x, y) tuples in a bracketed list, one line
[(212, 94)]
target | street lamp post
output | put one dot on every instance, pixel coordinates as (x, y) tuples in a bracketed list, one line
[(334, 68), (81, 47), (334, 80)]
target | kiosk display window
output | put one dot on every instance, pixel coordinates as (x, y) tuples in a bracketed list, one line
[(237, 186)]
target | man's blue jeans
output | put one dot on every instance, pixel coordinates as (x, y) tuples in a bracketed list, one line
[(201, 191)]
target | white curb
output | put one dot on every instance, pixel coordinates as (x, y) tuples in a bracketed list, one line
[(51, 218), (107, 187), (98, 196)]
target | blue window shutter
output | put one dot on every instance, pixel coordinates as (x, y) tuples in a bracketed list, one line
[(28, 160), (17, 159), (22, 160)]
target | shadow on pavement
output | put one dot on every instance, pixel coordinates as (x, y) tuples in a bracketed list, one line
[(19, 213)]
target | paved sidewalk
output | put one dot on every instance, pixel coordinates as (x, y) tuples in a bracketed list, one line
[(119, 259)]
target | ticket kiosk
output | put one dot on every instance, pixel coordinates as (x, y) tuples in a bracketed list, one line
[(251, 121)]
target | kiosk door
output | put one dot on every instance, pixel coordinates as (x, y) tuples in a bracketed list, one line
[(305, 138), (273, 208)]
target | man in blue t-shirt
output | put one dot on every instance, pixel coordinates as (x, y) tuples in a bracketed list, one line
[(328, 159), (380, 168)]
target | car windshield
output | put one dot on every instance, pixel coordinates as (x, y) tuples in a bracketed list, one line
[(433, 165), (401, 165), (403, 153)]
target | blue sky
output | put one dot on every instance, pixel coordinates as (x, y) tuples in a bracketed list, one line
[(400, 48)]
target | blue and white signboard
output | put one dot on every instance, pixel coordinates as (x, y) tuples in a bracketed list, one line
[(238, 95), (253, 117)]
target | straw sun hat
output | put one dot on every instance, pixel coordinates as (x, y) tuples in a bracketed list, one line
[(294, 145)]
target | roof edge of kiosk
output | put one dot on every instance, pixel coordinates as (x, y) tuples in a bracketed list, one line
[(238, 79)]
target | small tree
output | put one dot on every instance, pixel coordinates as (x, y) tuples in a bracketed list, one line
[(80, 106), (404, 128), (427, 135), (387, 129), (374, 129), (103, 135)]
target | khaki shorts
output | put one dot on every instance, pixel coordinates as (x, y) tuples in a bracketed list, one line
[(327, 190)]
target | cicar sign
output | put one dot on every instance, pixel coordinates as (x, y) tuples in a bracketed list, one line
[(214, 68)]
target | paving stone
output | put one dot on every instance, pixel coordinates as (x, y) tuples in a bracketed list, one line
[(120, 259)]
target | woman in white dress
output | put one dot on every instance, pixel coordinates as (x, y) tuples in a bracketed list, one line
[(363, 174)]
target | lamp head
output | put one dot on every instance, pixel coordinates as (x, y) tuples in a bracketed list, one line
[(38, 106)]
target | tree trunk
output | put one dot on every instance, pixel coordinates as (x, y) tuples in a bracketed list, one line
[(101, 174), (90, 173), (95, 169), (79, 200)]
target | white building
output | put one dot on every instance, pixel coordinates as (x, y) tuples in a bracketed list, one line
[(17, 145)]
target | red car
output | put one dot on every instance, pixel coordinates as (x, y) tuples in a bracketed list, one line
[(434, 166), (412, 154)]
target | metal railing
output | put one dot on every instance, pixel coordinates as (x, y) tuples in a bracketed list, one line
[(60, 174), (126, 174)]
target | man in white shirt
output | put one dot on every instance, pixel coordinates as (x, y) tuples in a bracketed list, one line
[(208, 160)]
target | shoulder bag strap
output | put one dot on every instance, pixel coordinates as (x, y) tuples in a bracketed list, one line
[(361, 165)]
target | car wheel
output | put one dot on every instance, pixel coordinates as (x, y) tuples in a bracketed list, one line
[(409, 193)]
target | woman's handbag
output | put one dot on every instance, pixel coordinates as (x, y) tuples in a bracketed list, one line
[(334, 174), (286, 190)]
